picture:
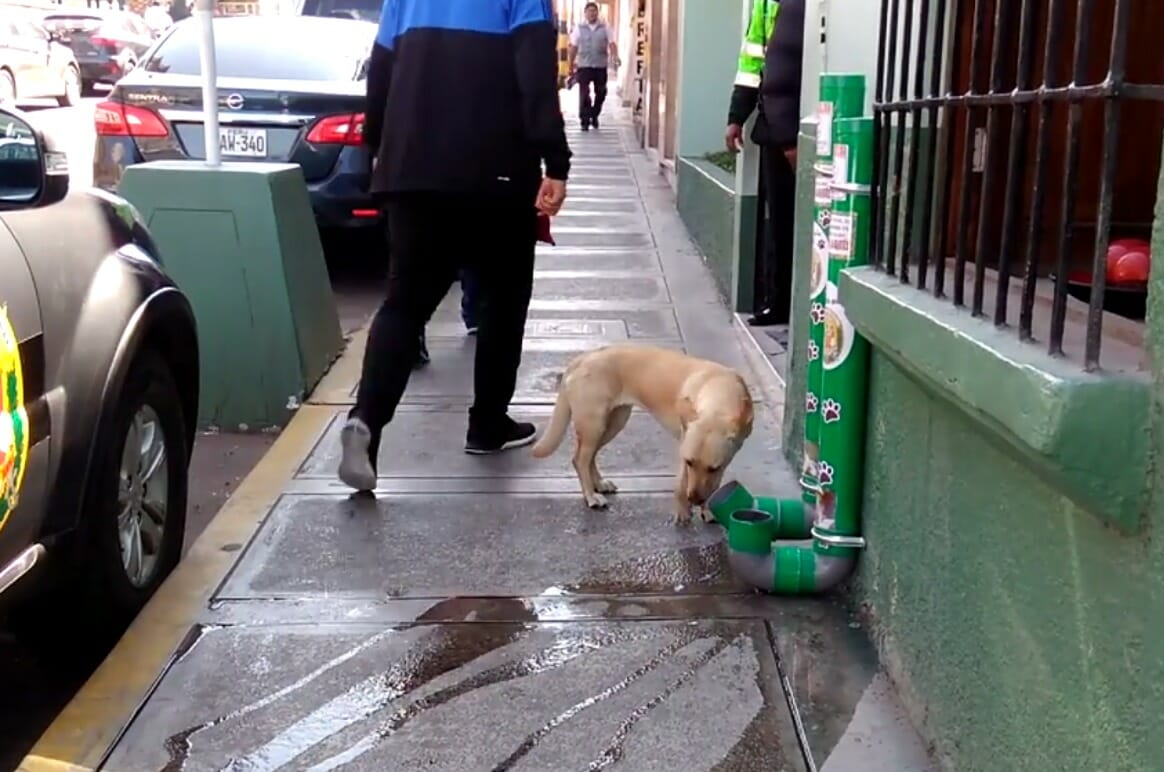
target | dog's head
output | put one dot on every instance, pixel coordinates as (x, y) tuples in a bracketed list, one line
[(711, 439)]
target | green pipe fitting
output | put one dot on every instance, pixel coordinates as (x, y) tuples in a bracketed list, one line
[(750, 531), (790, 518), (786, 569)]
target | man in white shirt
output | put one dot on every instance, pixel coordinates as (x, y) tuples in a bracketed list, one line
[(592, 51)]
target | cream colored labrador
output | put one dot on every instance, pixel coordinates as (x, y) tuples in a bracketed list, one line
[(704, 405)]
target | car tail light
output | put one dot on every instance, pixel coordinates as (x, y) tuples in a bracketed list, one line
[(346, 129), (103, 42), (114, 119)]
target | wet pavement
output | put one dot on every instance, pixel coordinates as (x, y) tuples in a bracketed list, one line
[(475, 615)]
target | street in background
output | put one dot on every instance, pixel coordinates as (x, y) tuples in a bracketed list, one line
[(275, 105)]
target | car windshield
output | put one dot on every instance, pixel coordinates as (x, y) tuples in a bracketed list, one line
[(245, 49)]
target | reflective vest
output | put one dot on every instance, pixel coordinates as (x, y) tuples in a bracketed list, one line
[(760, 26)]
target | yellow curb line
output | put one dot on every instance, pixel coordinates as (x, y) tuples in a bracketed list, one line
[(335, 388), (82, 733)]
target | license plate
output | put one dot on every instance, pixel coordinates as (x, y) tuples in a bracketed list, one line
[(251, 143)]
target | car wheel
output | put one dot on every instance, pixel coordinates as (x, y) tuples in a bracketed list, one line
[(132, 525), (7, 87), (72, 93), (136, 498)]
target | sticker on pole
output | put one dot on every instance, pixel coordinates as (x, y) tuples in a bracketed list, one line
[(824, 128), (819, 273), (13, 419), (841, 236), (838, 336), (840, 171)]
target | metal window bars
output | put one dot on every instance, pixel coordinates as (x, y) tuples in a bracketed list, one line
[(929, 93)]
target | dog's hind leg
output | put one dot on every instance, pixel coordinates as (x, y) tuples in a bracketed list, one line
[(589, 429), (615, 423)]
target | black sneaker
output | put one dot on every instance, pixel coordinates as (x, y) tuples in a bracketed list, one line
[(511, 434), (594, 121), (585, 124)]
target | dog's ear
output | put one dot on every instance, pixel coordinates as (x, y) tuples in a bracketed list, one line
[(742, 420), (686, 411)]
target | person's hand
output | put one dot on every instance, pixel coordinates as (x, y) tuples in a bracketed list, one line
[(551, 196), (790, 154), (617, 63), (734, 138)]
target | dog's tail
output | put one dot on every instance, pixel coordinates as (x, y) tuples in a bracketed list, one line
[(556, 431)]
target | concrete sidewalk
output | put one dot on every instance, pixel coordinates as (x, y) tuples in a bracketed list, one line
[(476, 615)]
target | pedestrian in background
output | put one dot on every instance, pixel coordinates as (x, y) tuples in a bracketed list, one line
[(592, 50), (768, 82), (462, 113)]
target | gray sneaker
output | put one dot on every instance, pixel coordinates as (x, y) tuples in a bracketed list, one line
[(355, 469)]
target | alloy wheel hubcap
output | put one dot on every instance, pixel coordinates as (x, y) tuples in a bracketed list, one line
[(142, 488)]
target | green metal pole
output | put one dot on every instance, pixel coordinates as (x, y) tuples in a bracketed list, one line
[(844, 353), (842, 96)]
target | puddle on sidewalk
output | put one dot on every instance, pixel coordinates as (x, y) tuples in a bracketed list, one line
[(462, 697)]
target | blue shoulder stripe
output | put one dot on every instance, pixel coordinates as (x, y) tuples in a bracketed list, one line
[(389, 24), (488, 16), (524, 12)]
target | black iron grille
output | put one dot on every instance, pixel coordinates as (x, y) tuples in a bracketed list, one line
[(1012, 146)]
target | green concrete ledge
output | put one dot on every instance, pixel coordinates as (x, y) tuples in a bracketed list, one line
[(707, 203), (1089, 433)]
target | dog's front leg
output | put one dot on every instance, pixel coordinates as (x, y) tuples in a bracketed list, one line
[(682, 503)]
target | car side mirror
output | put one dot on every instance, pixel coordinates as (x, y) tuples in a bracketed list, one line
[(32, 171)]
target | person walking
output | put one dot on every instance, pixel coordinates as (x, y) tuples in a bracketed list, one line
[(592, 50), (768, 81), (462, 113)]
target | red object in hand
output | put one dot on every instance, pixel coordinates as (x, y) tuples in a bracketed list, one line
[(1129, 261), (544, 235)]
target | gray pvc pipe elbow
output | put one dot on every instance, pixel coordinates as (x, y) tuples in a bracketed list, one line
[(760, 570)]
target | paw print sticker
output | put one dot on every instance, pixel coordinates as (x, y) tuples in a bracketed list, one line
[(830, 411), (813, 351), (824, 473), (817, 313), (810, 402)]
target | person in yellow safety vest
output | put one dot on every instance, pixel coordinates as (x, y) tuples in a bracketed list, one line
[(760, 27), (768, 82)]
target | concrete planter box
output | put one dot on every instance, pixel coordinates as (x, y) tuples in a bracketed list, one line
[(706, 199)]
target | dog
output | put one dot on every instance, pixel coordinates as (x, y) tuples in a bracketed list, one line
[(704, 405)]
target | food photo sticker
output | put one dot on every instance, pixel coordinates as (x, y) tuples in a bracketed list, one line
[(838, 336), (13, 419), (819, 271)]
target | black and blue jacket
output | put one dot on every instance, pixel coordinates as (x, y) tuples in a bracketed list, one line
[(463, 97)]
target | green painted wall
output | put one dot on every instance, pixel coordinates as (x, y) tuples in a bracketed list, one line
[(1013, 582), (1023, 632), (706, 200)]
